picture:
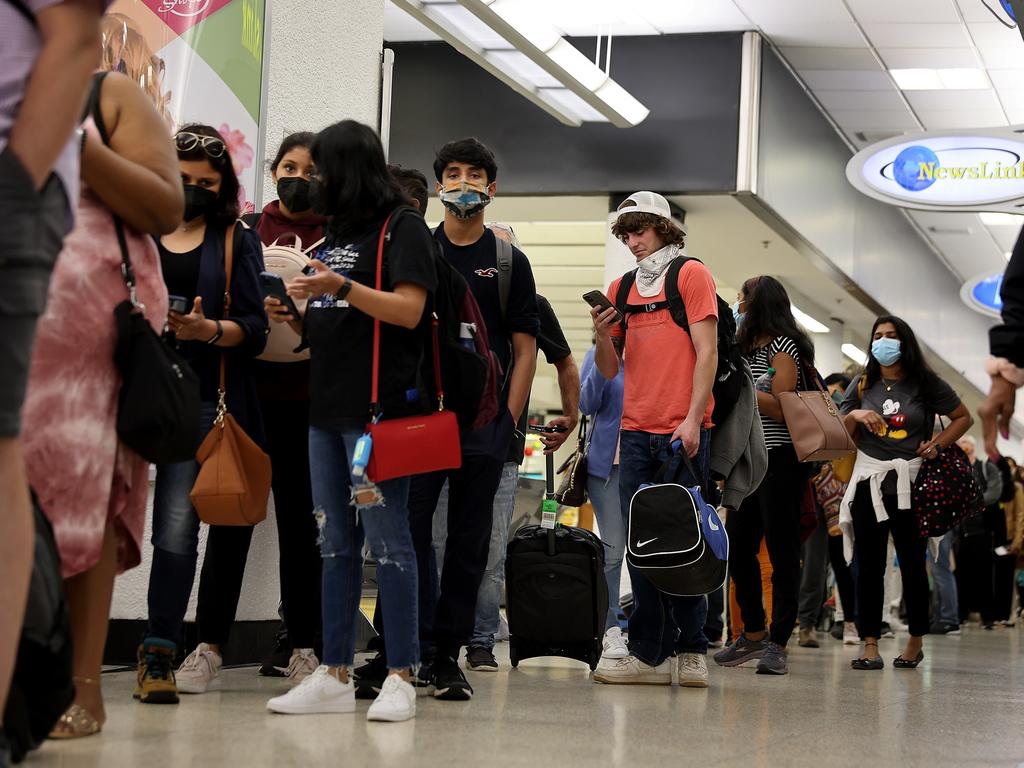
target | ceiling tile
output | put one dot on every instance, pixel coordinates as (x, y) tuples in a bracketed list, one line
[(1016, 115), (690, 15), (786, 31), (857, 119), (995, 35), (917, 35), (1003, 58), (1009, 79), (763, 12), (1012, 98), (839, 80), (973, 10), (399, 26), (952, 101), (872, 100), (932, 58), (830, 58), (981, 118), (905, 11)]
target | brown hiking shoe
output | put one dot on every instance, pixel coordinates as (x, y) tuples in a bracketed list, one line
[(155, 676)]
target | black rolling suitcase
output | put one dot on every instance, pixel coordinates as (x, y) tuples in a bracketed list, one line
[(556, 593)]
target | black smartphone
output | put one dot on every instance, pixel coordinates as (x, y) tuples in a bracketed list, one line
[(273, 285), (309, 270), (599, 300), (178, 304), (546, 430)]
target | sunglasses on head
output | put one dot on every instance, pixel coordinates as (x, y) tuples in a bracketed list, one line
[(186, 141)]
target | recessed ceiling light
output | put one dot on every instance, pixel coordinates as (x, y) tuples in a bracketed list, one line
[(953, 79), (1001, 219), (855, 353)]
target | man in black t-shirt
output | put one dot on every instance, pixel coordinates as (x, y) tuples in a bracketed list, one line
[(465, 172)]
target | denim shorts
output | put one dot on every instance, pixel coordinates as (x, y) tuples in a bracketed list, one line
[(33, 232)]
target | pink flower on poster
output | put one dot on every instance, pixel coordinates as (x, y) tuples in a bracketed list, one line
[(241, 153)]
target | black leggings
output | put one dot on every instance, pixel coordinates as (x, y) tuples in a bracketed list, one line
[(773, 513), (872, 544), (844, 578)]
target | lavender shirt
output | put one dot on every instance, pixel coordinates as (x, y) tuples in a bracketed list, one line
[(18, 54)]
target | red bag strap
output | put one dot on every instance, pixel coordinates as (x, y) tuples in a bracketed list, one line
[(375, 380)]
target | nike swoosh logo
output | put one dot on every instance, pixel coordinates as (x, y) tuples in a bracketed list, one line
[(713, 526), (645, 543)]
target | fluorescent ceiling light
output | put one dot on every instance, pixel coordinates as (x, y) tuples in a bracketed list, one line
[(808, 322), (953, 79), (529, 32), (855, 353), (1008, 255), (1001, 219)]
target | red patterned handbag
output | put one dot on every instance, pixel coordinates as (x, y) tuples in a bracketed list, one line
[(413, 445)]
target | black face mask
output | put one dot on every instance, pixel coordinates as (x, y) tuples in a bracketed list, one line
[(198, 201), (293, 192)]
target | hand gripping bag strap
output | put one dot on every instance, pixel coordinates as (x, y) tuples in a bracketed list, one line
[(233, 485), (416, 444)]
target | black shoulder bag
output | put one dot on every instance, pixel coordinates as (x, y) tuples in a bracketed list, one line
[(158, 406)]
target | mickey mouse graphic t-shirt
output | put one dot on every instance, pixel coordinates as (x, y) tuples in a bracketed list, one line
[(905, 406)]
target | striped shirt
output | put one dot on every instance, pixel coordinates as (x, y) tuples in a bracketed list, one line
[(760, 360)]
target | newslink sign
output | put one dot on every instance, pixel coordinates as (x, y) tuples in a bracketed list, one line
[(981, 170)]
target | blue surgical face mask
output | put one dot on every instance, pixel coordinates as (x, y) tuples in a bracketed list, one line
[(737, 315), (886, 351)]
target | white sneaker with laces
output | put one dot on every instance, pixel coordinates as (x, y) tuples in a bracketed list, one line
[(395, 703), (302, 664), (200, 672), (850, 634), (614, 646), (691, 670), (319, 693), (631, 671)]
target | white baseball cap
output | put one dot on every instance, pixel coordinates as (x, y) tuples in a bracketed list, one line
[(647, 202)]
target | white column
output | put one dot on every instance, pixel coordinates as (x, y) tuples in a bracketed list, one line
[(324, 66)]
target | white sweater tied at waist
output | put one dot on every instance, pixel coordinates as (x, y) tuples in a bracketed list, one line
[(874, 471)]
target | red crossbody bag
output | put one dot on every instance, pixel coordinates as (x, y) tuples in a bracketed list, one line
[(413, 445)]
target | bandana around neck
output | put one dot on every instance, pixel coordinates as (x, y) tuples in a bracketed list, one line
[(650, 273)]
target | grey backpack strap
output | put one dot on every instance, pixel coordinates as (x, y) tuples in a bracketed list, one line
[(504, 260)]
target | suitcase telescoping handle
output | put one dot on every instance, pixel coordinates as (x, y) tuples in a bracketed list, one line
[(549, 508)]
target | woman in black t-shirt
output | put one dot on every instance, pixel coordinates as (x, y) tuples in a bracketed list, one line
[(890, 410), (356, 190), (769, 337)]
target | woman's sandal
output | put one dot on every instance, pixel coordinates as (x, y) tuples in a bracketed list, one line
[(76, 722), (900, 663), (868, 664)]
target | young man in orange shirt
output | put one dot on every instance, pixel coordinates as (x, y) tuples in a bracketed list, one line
[(669, 373)]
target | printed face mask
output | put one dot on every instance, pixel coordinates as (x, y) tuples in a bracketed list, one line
[(737, 315), (464, 200), (886, 351), (293, 192), (198, 201)]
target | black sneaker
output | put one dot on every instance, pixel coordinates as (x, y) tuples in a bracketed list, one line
[(742, 650), (276, 664), (369, 677), (481, 659), (837, 630), (449, 682), (774, 661)]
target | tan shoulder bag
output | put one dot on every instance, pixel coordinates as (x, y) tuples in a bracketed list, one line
[(233, 485), (814, 422)]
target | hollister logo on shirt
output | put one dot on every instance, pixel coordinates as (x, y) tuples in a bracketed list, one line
[(489, 272), (340, 260)]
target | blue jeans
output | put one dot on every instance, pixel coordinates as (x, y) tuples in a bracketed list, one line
[(342, 531), (488, 597), (945, 583), (604, 495), (660, 624)]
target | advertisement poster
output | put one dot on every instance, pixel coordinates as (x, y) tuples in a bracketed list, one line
[(200, 61)]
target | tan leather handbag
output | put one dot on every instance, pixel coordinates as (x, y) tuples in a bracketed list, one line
[(814, 423), (233, 485)]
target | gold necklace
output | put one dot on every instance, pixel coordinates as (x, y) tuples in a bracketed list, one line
[(887, 385)]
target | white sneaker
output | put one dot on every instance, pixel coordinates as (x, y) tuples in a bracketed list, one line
[(302, 664), (692, 670), (319, 693), (395, 703), (200, 672), (632, 671), (613, 644), (850, 634)]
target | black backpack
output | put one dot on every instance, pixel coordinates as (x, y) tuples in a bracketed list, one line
[(42, 687), (728, 381)]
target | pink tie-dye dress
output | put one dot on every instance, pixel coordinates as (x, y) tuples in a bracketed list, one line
[(83, 475)]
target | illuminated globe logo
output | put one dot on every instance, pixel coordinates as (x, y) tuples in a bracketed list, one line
[(906, 168), (1008, 8)]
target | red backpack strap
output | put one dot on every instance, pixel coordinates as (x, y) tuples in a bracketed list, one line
[(375, 376)]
